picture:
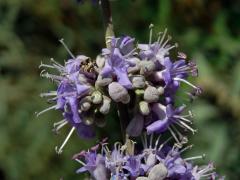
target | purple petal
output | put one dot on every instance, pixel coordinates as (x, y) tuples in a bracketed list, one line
[(74, 108), (158, 126), (107, 70), (123, 79), (85, 131), (81, 170)]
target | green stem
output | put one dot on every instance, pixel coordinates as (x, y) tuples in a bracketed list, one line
[(124, 118), (109, 34), (107, 20)]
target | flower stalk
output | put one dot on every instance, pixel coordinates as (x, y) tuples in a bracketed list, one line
[(109, 34)]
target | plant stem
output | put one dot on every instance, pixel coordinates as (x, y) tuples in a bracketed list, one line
[(107, 20), (124, 118)]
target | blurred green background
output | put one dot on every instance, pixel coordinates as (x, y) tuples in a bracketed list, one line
[(207, 31)]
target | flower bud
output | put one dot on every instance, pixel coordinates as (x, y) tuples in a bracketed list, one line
[(158, 172), (105, 107), (144, 108), (138, 82), (146, 67), (96, 97), (100, 61), (103, 81), (118, 93), (160, 90), (85, 106), (100, 173), (151, 160), (85, 103), (151, 94)]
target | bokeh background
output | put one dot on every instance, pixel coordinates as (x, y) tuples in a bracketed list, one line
[(207, 31)]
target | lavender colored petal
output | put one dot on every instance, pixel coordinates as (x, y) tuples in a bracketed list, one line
[(123, 79), (85, 131), (74, 108), (158, 126)]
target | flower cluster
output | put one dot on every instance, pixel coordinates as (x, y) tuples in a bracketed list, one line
[(143, 78), (156, 161), (127, 72)]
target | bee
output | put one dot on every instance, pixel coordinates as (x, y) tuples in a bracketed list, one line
[(88, 66)]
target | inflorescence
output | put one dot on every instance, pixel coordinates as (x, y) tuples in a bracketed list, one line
[(145, 79)]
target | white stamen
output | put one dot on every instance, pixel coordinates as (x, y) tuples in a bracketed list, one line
[(56, 63), (60, 150), (195, 157), (183, 80), (163, 36), (151, 33), (59, 126), (45, 110), (156, 143), (79, 161), (52, 93), (46, 65), (68, 50), (186, 148), (168, 39), (59, 122), (173, 134), (188, 127), (183, 118)]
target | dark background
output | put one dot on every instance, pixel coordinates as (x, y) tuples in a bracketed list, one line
[(207, 31)]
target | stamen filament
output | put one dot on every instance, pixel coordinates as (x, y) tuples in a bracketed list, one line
[(60, 150), (68, 50), (45, 110)]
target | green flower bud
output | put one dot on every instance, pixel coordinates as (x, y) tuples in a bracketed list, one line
[(96, 97), (160, 90), (144, 108), (105, 107)]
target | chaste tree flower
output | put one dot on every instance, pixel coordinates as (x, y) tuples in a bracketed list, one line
[(141, 80), (154, 161), (142, 75)]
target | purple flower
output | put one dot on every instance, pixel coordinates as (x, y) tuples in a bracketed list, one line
[(134, 166), (178, 69), (156, 51), (167, 116), (117, 61), (94, 163)]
